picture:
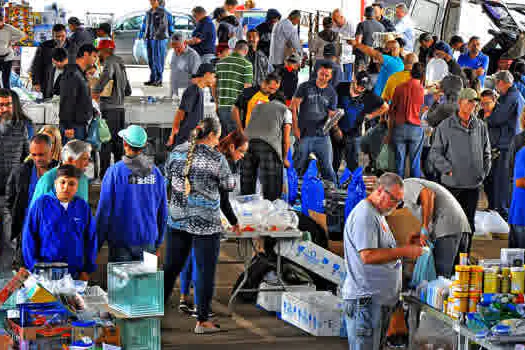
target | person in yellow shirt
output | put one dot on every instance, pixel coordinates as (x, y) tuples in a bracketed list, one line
[(251, 97), (399, 78)]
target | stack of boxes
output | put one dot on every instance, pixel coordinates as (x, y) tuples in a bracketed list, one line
[(136, 298)]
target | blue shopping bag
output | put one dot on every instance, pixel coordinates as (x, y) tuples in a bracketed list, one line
[(93, 136), (312, 192), (292, 179), (356, 191)]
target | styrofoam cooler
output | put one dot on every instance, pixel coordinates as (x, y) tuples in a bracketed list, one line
[(316, 259), (317, 313), (272, 301)]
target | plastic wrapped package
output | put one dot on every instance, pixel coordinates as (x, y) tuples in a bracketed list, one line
[(281, 220), (252, 214), (433, 334), (489, 222)]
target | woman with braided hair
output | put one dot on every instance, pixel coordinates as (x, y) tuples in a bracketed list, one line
[(197, 173)]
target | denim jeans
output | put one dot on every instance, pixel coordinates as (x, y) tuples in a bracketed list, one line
[(347, 71), (517, 236), (321, 146), (227, 123), (408, 137), (188, 276), (206, 249), (80, 133), (156, 57), (134, 253), (366, 323), (498, 193)]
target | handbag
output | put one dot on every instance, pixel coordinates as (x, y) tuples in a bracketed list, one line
[(93, 136), (386, 160)]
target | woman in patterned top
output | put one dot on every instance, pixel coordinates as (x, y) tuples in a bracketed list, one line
[(197, 173)]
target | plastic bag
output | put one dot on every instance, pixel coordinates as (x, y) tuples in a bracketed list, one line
[(386, 160), (425, 269), (292, 179), (356, 191), (140, 52), (312, 192), (104, 134), (489, 222), (93, 136)]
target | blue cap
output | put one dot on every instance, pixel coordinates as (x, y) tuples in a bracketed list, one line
[(134, 135), (443, 46)]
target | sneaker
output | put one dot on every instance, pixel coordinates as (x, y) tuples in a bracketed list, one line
[(207, 330), (149, 83), (397, 341), (157, 84), (194, 314), (186, 308)]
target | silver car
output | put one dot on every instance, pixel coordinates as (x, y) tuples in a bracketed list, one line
[(126, 31)]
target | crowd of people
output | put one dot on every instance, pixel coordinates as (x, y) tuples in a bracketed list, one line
[(449, 139)]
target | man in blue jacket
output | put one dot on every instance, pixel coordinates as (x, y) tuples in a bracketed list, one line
[(60, 228), (132, 210), (157, 27), (502, 124)]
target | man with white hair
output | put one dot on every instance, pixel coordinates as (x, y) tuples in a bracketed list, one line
[(373, 263), (503, 125), (405, 26), (76, 153)]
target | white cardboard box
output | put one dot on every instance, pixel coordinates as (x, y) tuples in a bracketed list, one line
[(316, 259), (320, 314), (271, 301)]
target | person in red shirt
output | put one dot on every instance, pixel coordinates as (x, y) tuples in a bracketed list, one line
[(404, 123)]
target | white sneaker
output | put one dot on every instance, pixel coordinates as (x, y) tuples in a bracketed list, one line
[(207, 330)]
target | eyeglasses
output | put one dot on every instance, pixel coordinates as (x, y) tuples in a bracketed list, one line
[(400, 202), (9, 104)]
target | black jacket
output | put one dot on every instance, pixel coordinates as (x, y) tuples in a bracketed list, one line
[(17, 195), (265, 34), (14, 148), (76, 108), (78, 38), (42, 67), (389, 26), (289, 83)]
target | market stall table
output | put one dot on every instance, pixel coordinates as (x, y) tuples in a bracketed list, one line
[(465, 335), (246, 248)]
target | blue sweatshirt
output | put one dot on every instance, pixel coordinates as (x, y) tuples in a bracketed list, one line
[(132, 210), (504, 121), (53, 234), (205, 30)]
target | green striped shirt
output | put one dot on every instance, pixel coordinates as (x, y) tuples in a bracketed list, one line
[(233, 72)]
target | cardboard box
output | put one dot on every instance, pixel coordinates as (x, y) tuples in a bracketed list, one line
[(317, 313), (316, 259), (403, 224), (272, 301)]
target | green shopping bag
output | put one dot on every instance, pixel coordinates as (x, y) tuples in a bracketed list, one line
[(104, 134), (386, 160)]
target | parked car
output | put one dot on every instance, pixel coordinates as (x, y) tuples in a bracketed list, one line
[(127, 28)]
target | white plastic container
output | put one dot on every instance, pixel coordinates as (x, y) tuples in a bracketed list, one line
[(272, 301)]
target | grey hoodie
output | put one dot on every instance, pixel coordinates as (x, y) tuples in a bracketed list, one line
[(463, 151), (451, 86), (140, 165), (114, 69)]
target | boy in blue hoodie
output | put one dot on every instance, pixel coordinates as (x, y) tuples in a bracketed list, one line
[(60, 228), (132, 210)]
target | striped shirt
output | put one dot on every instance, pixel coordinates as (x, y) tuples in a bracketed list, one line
[(233, 72)]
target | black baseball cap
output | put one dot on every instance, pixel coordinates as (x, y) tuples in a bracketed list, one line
[(363, 79), (203, 69), (74, 21)]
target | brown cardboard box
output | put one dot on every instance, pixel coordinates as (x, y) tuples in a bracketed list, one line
[(403, 223)]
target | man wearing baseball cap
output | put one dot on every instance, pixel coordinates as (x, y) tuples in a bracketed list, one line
[(132, 211), (79, 36), (360, 103), (191, 108), (290, 76), (444, 51), (110, 91), (265, 30), (461, 153)]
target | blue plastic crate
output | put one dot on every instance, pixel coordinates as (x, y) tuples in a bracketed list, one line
[(140, 334), (135, 292)]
